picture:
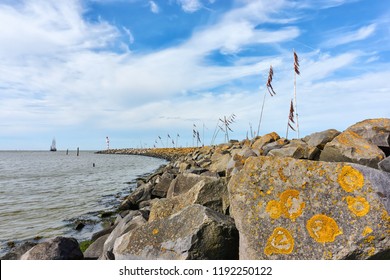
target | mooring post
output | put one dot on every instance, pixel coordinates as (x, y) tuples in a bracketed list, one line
[(78, 151), (67, 151)]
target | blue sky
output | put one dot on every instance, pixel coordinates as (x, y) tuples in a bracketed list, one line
[(133, 70)]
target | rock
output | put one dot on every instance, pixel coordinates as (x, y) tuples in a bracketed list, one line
[(274, 145), (292, 151), (95, 250), (184, 166), (238, 159), (183, 182), (350, 147), (385, 164), (131, 221), (320, 139), (59, 248), (298, 209), (264, 140), (376, 131), (142, 193), (102, 232), (219, 162), (212, 194), (162, 185), (196, 233), (16, 252)]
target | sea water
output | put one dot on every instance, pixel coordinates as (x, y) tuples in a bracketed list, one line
[(42, 194)]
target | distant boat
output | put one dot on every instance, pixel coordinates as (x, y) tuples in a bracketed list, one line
[(53, 146)]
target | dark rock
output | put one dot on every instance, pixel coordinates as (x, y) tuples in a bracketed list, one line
[(298, 209), (95, 250), (59, 248), (102, 232), (196, 233), (183, 182), (142, 193), (79, 226), (17, 251), (162, 185), (385, 164)]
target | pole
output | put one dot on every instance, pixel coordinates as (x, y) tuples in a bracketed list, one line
[(261, 115), (295, 97)]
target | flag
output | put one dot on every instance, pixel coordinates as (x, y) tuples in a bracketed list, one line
[(291, 116), (296, 63), (269, 85)]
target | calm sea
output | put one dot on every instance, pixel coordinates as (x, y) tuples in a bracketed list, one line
[(44, 193)]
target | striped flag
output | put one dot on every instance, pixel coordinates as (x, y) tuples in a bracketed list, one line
[(296, 63)]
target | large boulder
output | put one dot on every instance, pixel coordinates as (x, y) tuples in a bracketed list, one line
[(184, 182), (142, 193), (258, 145), (350, 147), (376, 131), (131, 221), (385, 164), (16, 252), (196, 232), (219, 162), (162, 184), (58, 248), (320, 139), (212, 194), (95, 250), (299, 209)]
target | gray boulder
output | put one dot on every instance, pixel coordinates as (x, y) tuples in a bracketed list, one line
[(95, 250), (16, 252), (350, 147), (58, 248), (196, 233), (142, 193), (184, 182), (385, 164), (162, 184), (376, 131), (320, 139)]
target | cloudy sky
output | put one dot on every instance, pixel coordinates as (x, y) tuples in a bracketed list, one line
[(133, 70)]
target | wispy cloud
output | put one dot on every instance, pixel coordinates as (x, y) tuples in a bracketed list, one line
[(342, 38), (154, 7), (190, 6)]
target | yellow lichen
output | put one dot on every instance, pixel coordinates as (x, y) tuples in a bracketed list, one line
[(323, 228), (280, 242), (155, 231), (291, 204), (281, 175), (371, 251), (273, 209), (367, 230), (350, 179), (358, 205)]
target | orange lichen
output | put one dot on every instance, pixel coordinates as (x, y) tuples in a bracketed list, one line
[(323, 228), (155, 231), (281, 175), (350, 179), (291, 204), (358, 205), (273, 209), (280, 242), (367, 230)]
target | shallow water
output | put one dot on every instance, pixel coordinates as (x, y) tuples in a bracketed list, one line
[(42, 193)]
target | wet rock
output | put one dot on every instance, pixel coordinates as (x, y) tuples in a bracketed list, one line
[(95, 250), (196, 232), (142, 193), (376, 131), (16, 252), (58, 248), (350, 147), (298, 209), (212, 194)]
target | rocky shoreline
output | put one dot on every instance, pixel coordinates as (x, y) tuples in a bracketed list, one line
[(325, 196)]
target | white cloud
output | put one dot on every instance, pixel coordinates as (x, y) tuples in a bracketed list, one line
[(154, 7), (349, 37), (190, 6)]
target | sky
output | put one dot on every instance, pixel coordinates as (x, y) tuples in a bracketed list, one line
[(138, 70)]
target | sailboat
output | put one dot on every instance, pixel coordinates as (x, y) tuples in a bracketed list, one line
[(53, 146)]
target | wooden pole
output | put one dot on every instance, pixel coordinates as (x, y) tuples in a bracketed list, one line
[(78, 151)]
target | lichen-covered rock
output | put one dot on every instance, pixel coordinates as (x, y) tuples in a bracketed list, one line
[(219, 162), (184, 182), (320, 139), (58, 248), (298, 209), (292, 151), (350, 147), (212, 194), (274, 145), (376, 131), (264, 140), (196, 232)]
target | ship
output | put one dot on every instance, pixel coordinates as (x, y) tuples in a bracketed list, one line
[(53, 146)]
